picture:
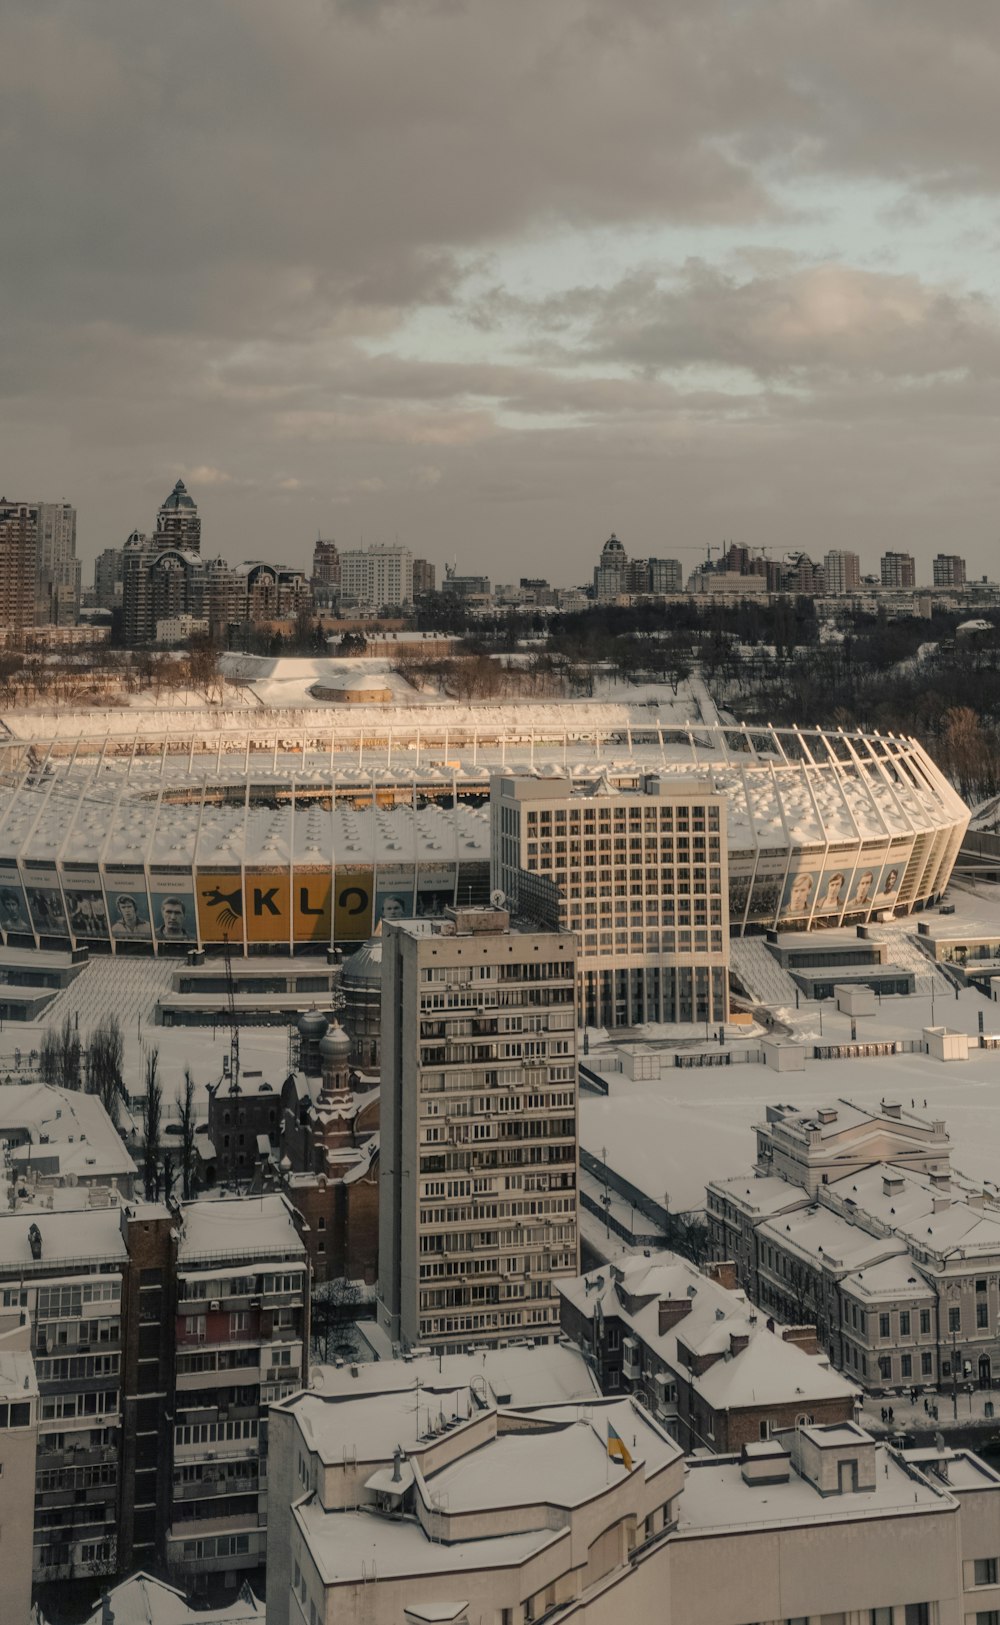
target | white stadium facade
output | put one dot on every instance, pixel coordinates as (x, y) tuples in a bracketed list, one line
[(284, 832)]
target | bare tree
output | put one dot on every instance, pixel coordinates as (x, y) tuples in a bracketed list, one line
[(152, 1113), (335, 1305), (105, 1051), (48, 1056), (188, 1128), (70, 1052)]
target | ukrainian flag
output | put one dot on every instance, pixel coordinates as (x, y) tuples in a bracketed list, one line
[(617, 1448)]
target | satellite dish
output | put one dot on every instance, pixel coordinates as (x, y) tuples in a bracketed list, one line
[(498, 898)]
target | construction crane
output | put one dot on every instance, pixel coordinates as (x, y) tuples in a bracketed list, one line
[(234, 1026)]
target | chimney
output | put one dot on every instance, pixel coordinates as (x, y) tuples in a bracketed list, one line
[(803, 1337), (397, 1457), (827, 1114), (670, 1311), (893, 1109), (35, 1241), (738, 1342), (723, 1273), (892, 1184)]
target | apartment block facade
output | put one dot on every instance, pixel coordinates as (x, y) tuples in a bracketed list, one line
[(949, 570), (18, 563), (898, 570), (376, 578), (841, 572), (638, 872), (478, 1202)]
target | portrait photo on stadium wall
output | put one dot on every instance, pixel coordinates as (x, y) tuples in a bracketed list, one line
[(831, 892), (129, 911), (87, 914), (172, 908), (393, 905), (13, 908), (435, 889), (800, 893), (46, 904)]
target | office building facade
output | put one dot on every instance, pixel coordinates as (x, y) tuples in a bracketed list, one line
[(376, 578), (639, 873), (478, 1201)]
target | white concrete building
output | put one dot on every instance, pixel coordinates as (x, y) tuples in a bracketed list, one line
[(434, 1502), (639, 873), (376, 578), (478, 1202)]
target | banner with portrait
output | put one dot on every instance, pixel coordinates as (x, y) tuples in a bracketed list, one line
[(45, 901), (14, 918), (85, 906), (128, 905), (172, 907)]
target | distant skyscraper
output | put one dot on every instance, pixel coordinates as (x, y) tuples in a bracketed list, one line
[(177, 523), (611, 573), (898, 570), (842, 571), (18, 562), (479, 1125), (424, 577), (326, 564), (108, 578), (949, 570), (58, 594), (665, 575)]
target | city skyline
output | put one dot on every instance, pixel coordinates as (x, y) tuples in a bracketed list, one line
[(374, 271)]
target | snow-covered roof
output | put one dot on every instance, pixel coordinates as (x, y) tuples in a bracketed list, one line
[(143, 1600), (244, 1227), (89, 1235)]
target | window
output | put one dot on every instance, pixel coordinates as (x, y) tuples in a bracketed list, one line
[(614, 1337), (885, 1366), (880, 1616), (883, 1325), (980, 1286), (984, 1571), (982, 1314), (990, 1617), (906, 1366), (925, 1322), (904, 1323), (917, 1613), (954, 1324), (926, 1365)]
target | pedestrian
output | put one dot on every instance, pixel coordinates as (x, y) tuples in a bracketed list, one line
[(890, 1414), (883, 1413)]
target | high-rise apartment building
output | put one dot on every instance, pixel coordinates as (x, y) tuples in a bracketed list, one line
[(58, 596), (177, 522), (478, 1204), (18, 562), (898, 570), (949, 570), (108, 578), (611, 571), (376, 578), (424, 577), (842, 572), (639, 873), (326, 571), (242, 1340), (665, 575)]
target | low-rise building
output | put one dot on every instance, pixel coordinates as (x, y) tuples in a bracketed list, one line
[(696, 1352), (429, 1499)]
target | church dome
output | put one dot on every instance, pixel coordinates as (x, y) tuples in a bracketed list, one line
[(613, 550), (312, 1024), (364, 967), (335, 1044)]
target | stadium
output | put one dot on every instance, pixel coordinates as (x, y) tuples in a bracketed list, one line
[(282, 832)]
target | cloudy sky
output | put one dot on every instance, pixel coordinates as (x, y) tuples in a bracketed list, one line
[(495, 277)]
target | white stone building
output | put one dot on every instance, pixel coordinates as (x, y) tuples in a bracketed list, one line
[(639, 873), (376, 578)]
